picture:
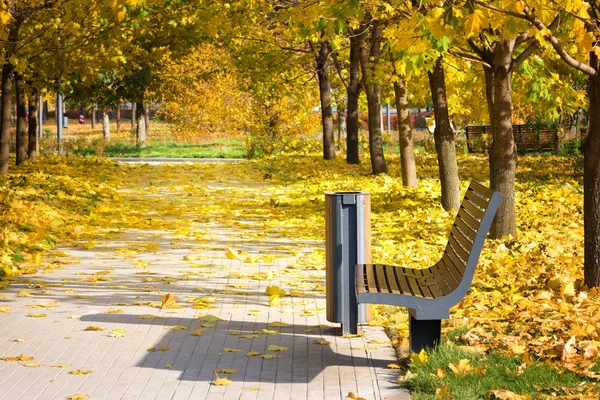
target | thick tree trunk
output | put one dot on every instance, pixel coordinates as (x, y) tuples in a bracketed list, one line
[(325, 95), (444, 139), (5, 108), (140, 136), (133, 119), (352, 122), (33, 143), (405, 139), (94, 117), (118, 118), (591, 184), (105, 125), (369, 58), (503, 159), (21, 135)]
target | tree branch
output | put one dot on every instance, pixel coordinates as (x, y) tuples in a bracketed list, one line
[(529, 50), (338, 68), (469, 57), (586, 69)]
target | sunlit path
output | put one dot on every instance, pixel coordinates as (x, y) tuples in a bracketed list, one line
[(94, 324)]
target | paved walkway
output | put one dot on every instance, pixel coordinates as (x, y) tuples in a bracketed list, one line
[(95, 325)]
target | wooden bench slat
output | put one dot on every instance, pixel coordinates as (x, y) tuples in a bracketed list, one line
[(456, 265), (381, 279), (401, 279), (465, 229), (471, 209), (371, 285), (412, 282), (474, 198), (391, 277), (424, 282), (361, 278), (479, 188), (458, 250), (463, 241), (442, 285), (447, 270), (468, 219)]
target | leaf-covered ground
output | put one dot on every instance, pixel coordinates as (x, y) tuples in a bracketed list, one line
[(527, 297)]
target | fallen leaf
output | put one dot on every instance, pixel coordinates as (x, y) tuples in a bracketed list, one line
[(168, 301), (279, 324), (177, 328), (229, 350), (277, 348), (168, 366), (19, 358), (226, 371), (78, 396), (270, 356), (32, 365), (351, 395), (19, 340), (443, 393), (198, 332), (569, 350), (150, 316), (393, 366), (94, 328), (221, 381), (209, 318), (80, 372), (321, 341), (253, 354), (418, 359), (37, 315), (4, 309), (117, 333), (60, 365), (163, 348), (463, 368), (504, 395)]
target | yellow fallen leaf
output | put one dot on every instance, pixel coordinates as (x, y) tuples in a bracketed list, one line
[(463, 368), (32, 365), (198, 332), (274, 300), (251, 336), (279, 324), (115, 311), (80, 372), (569, 349), (443, 393), (168, 301), (229, 350), (226, 371), (150, 316), (60, 365), (269, 332), (52, 304), (253, 354), (209, 318), (19, 340), (352, 396), (37, 315), (270, 356), (117, 333), (24, 293), (393, 366), (274, 347), (177, 328), (221, 381), (231, 254), (19, 358), (271, 290), (163, 348), (94, 328), (418, 359), (504, 395), (4, 309), (78, 396), (168, 366), (321, 341)]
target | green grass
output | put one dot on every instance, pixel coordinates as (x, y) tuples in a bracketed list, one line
[(155, 149), (501, 373)]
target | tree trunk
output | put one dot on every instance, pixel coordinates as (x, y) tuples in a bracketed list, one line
[(133, 119), (407, 152), (105, 125), (503, 159), (140, 136), (34, 146), (352, 122), (369, 58), (147, 119), (5, 108), (118, 118), (325, 95), (94, 117), (342, 127), (591, 184), (21, 135), (444, 139)]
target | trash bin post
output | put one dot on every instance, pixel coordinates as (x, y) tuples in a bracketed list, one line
[(347, 242)]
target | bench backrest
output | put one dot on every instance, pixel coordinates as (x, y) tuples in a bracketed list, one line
[(472, 223)]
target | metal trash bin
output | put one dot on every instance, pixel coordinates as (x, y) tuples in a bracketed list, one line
[(65, 120), (347, 243)]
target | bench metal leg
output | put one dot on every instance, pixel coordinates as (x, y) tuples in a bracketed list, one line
[(424, 333)]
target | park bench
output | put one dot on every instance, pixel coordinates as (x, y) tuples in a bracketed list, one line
[(527, 138), (430, 293)]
